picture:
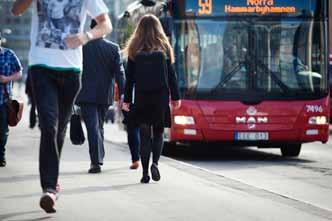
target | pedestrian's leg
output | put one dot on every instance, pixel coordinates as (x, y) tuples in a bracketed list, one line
[(102, 110), (69, 85), (90, 117), (46, 94), (3, 134), (145, 135), (157, 143), (157, 146), (133, 142)]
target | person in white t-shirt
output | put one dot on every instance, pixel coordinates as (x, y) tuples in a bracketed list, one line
[(55, 63)]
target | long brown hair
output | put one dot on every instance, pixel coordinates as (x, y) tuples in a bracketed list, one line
[(149, 36)]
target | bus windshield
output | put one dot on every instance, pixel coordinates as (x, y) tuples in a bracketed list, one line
[(269, 59)]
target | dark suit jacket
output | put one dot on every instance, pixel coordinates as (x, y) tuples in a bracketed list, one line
[(102, 65)]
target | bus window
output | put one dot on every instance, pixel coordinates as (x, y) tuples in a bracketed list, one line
[(274, 58), (286, 50), (188, 56)]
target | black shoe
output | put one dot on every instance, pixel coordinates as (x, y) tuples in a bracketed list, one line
[(3, 163), (155, 172), (145, 179), (95, 169)]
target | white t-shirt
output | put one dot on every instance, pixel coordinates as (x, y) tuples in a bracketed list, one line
[(52, 22)]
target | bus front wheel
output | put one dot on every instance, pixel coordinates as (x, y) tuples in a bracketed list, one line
[(291, 150)]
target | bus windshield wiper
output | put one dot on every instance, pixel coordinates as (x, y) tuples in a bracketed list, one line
[(276, 79), (227, 77), (274, 76)]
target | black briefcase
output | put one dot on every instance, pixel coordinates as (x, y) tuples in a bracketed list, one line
[(76, 130)]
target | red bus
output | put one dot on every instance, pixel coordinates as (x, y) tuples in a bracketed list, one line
[(330, 60), (251, 72)]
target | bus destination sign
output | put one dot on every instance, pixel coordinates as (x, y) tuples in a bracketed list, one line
[(215, 8), (261, 7), (207, 8)]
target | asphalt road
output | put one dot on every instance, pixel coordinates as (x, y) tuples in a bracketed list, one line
[(306, 179)]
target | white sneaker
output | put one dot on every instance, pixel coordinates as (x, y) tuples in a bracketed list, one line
[(47, 202)]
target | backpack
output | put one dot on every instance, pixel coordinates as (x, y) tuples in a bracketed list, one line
[(151, 73)]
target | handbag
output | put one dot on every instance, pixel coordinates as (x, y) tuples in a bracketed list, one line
[(14, 110), (76, 130)]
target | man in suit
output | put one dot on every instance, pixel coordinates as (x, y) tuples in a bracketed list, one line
[(102, 64)]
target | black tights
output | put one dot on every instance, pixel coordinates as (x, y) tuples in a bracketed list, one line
[(151, 140)]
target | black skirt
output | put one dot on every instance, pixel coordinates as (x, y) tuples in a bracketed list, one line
[(153, 109)]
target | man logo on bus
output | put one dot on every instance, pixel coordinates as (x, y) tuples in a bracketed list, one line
[(251, 121), (251, 111)]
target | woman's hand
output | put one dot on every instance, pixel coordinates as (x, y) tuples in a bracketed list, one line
[(125, 107), (176, 104)]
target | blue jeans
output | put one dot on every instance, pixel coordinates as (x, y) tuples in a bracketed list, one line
[(133, 135), (54, 93), (3, 130), (94, 118), (133, 142)]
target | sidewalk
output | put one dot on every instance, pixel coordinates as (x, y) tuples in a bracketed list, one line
[(185, 193)]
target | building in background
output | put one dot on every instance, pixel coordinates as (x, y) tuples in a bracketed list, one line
[(19, 38), (116, 7)]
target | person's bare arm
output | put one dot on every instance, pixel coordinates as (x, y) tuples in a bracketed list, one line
[(103, 27), (20, 6), (13, 77)]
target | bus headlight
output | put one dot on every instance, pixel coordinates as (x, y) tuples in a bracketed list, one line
[(184, 120), (317, 120)]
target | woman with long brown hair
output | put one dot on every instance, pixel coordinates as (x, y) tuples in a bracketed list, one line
[(150, 73)]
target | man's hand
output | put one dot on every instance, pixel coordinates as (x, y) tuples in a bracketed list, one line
[(14, 77), (74, 41), (4, 79)]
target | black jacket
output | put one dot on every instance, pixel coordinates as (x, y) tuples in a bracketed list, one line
[(151, 108), (102, 65)]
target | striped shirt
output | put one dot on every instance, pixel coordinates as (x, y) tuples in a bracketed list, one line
[(9, 65)]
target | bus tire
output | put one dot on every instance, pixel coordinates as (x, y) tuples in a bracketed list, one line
[(291, 150)]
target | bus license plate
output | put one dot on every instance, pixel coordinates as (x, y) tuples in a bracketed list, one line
[(251, 136)]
